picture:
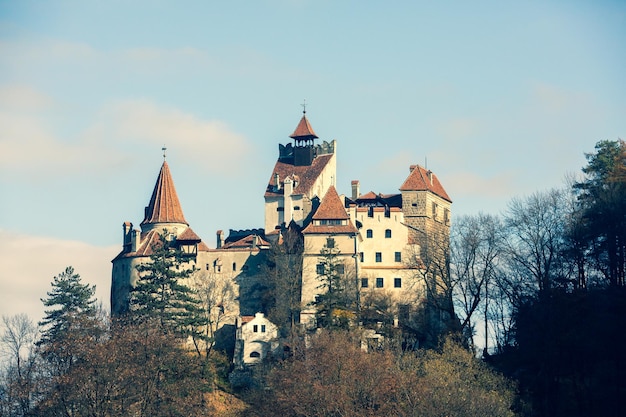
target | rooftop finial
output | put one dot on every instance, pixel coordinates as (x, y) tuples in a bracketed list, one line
[(164, 154), (304, 107)]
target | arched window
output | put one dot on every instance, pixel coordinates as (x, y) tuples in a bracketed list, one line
[(388, 233), (369, 233), (255, 354)]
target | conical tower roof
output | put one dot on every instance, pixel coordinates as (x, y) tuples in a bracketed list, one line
[(164, 205), (303, 131)]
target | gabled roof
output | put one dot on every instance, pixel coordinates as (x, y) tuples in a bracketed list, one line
[(188, 236), (421, 179), (331, 208), (307, 175), (164, 205), (303, 130)]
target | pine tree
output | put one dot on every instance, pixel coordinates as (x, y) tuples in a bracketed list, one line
[(74, 304), (161, 293), (603, 203), (334, 302)]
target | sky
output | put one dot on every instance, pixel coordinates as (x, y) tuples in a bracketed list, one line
[(499, 99)]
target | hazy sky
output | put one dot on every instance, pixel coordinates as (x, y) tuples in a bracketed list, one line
[(499, 99)]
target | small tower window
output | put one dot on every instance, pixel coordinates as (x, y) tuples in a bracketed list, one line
[(234, 266), (369, 233), (388, 234), (379, 283), (364, 283)]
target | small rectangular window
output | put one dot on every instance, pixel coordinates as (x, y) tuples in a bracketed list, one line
[(280, 209), (398, 256), (320, 269), (361, 256), (388, 234), (255, 328), (263, 328), (364, 283), (369, 233), (397, 282), (379, 283), (379, 257)]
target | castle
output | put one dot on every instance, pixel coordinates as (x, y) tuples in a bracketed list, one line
[(379, 238)]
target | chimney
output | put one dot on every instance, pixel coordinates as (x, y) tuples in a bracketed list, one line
[(135, 238), (276, 182), (220, 239), (430, 176), (356, 192), (255, 241), (127, 227)]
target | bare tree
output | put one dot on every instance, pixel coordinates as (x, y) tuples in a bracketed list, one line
[(217, 305), (476, 246), (17, 345), (535, 241)]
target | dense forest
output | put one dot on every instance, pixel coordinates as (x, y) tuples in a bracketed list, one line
[(538, 301)]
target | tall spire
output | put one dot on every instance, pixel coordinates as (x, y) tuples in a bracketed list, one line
[(303, 131), (164, 205)]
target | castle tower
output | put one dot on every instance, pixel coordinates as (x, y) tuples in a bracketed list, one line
[(164, 210), (425, 204), (330, 220), (163, 215), (302, 175), (304, 138)]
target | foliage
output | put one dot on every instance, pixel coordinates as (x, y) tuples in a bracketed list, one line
[(569, 352), (602, 197), (282, 278), (336, 302), (336, 378), (162, 294), (74, 303), (137, 370)]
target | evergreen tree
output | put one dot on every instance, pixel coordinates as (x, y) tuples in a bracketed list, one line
[(603, 203), (334, 304), (74, 304), (161, 293)]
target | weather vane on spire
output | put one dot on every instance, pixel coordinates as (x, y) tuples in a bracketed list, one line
[(303, 107), (164, 154)]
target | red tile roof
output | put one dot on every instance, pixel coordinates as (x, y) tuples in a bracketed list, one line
[(188, 236), (303, 130), (418, 180), (306, 174), (164, 205), (331, 208)]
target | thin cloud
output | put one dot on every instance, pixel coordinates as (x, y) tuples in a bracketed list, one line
[(24, 282), (210, 144)]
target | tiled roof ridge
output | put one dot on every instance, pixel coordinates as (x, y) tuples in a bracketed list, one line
[(331, 206), (164, 206)]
